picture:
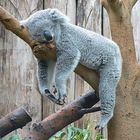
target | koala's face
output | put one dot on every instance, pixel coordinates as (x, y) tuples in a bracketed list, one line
[(44, 20), (37, 23)]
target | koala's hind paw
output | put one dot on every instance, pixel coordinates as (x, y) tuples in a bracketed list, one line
[(98, 127), (52, 98), (103, 122), (60, 95)]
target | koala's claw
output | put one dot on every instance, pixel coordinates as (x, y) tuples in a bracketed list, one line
[(52, 98), (98, 127)]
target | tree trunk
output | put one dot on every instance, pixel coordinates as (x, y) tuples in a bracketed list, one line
[(126, 121)]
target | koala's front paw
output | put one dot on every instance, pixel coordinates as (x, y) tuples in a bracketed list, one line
[(52, 97), (60, 95), (61, 98)]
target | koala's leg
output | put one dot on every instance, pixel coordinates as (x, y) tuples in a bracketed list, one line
[(43, 71), (107, 93), (66, 63)]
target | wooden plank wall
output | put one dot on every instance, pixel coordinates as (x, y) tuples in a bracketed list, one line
[(18, 85), (136, 31)]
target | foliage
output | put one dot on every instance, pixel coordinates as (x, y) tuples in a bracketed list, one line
[(78, 134), (99, 136), (58, 136), (73, 133), (15, 137)]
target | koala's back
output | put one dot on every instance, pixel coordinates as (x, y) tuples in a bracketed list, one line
[(95, 49)]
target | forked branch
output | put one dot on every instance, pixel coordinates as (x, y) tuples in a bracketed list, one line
[(115, 6)]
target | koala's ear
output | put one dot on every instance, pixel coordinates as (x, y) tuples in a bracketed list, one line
[(58, 16)]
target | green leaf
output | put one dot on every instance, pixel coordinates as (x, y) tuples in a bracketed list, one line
[(15, 137), (99, 136), (58, 136)]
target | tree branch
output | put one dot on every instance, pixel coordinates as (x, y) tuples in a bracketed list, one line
[(42, 50), (53, 123), (90, 110), (57, 121), (115, 2), (113, 5), (14, 120)]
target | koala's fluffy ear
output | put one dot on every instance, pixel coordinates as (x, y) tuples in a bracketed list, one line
[(58, 16)]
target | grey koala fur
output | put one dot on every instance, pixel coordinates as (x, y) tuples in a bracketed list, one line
[(76, 45)]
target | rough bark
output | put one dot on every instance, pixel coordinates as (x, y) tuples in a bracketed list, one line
[(127, 112), (14, 120), (53, 123), (72, 112)]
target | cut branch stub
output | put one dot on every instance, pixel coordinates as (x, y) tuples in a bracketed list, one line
[(14, 120)]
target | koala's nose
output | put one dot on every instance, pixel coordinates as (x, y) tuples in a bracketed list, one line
[(47, 91), (48, 36)]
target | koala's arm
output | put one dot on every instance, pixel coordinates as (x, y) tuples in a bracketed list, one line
[(42, 75), (67, 60), (45, 76)]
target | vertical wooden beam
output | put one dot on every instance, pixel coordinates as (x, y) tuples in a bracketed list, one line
[(18, 67)]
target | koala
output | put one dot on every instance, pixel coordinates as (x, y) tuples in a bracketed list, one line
[(75, 45)]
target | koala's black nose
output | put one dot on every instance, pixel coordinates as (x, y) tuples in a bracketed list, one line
[(48, 36), (47, 91)]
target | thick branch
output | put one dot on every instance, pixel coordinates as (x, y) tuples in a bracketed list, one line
[(44, 51), (115, 5), (53, 123), (57, 121), (14, 120)]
